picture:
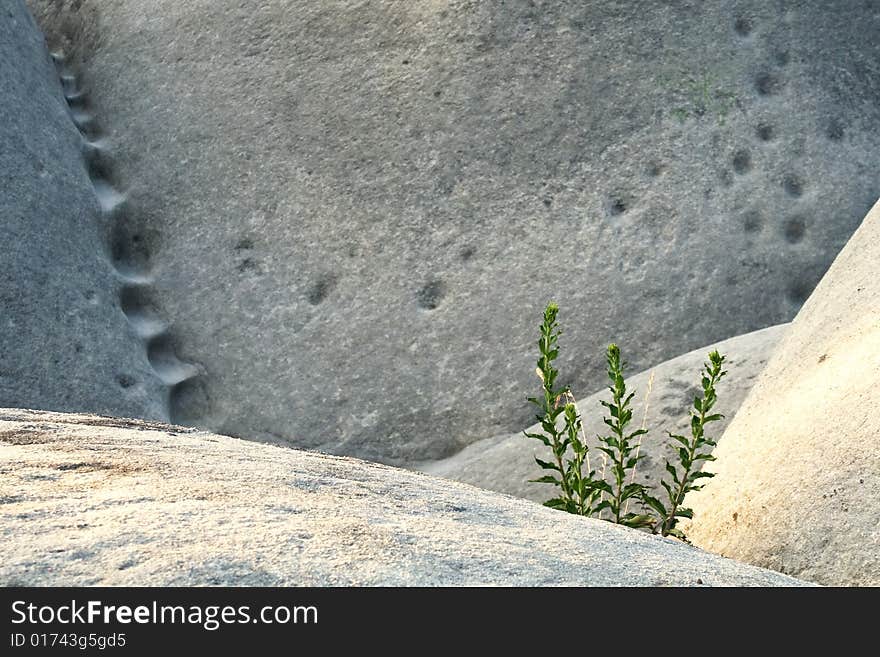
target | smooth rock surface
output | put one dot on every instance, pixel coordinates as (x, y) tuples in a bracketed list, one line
[(353, 213), (798, 471), (506, 463), (101, 501), (64, 342)]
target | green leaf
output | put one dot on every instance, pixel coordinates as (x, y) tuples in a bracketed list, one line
[(654, 503), (701, 475), (546, 479), (684, 441), (637, 521), (604, 504), (682, 512), (556, 503), (600, 485), (546, 465), (632, 490), (683, 456), (538, 436)]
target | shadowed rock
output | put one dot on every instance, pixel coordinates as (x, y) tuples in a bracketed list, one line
[(65, 343), (667, 172)]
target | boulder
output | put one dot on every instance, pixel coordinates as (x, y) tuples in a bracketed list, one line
[(351, 215), (797, 485), (102, 501), (506, 463), (65, 343)]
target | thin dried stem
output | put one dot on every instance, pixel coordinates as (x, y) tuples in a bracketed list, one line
[(644, 426), (583, 432)]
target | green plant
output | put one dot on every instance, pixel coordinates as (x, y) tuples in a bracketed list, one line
[(690, 451), (577, 493), (580, 490), (619, 447)]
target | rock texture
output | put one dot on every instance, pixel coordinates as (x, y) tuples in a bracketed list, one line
[(798, 483), (352, 213), (64, 342), (100, 501), (506, 463)]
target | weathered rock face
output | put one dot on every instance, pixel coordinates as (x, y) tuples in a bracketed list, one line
[(798, 472), (64, 342), (354, 213), (111, 502), (507, 463)]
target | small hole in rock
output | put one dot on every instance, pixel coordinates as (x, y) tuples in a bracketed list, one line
[(654, 169), (125, 381), (190, 401), (321, 288), (767, 84), (765, 132), (431, 294), (752, 221), (794, 230), (743, 26), (793, 186), (742, 162), (616, 207), (834, 130), (248, 264)]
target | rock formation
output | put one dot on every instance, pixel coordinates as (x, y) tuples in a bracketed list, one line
[(65, 344), (114, 502), (798, 470), (350, 215)]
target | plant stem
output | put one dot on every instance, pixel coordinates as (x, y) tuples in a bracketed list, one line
[(632, 479)]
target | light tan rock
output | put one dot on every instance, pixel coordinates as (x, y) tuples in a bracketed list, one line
[(798, 471), (102, 501), (506, 463)]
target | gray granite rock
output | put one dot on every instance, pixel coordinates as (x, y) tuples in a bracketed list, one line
[(797, 487), (98, 501), (64, 342), (506, 463), (352, 214)]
